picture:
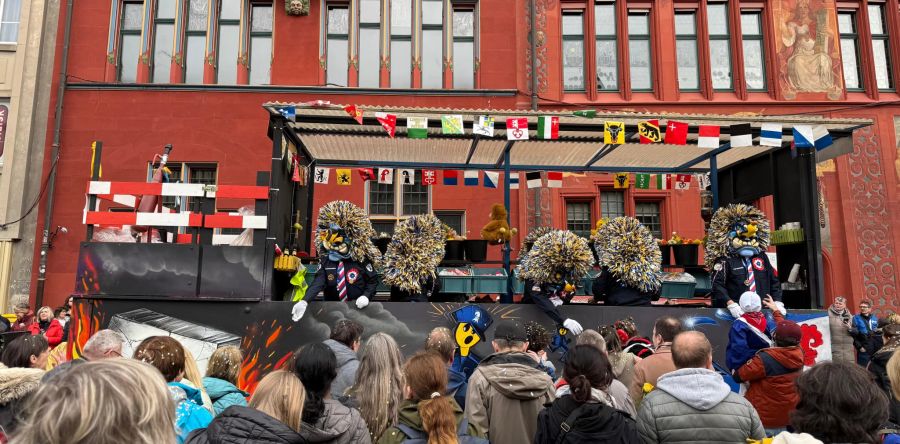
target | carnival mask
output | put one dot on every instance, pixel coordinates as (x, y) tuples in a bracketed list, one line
[(562, 284), (335, 242), (744, 241)]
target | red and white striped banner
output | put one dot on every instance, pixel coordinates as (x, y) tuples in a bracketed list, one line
[(145, 188), (144, 219), (239, 192), (225, 220)]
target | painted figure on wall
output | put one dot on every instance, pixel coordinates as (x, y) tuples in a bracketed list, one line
[(810, 61)]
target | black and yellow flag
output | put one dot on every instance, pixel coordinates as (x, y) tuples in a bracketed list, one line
[(614, 133)]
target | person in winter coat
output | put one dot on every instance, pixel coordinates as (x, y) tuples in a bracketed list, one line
[(840, 322), (48, 326), (102, 402), (428, 413), (17, 384), (440, 341), (863, 331), (622, 363), (632, 341), (324, 419), (839, 403), (771, 374), (378, 390), (584, 405), (538, 341), (273, 416), (220, 382), (878, 366), (694, 402), (751, 331), (167, 355), (616, 391), (344, 342), (24, 318), (660, 362), (507, 390), (893, 373)]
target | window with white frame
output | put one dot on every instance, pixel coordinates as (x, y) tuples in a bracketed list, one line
[(163, 38), (9, 20), (260, 43), (389, 203), (686, 48), (130, 40), (719, 45)]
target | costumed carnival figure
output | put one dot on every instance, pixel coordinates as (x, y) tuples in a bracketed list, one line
[(550, 270), (348, 258), (629, 259), (736, 256), (412, 257)]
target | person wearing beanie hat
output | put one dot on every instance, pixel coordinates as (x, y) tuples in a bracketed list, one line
[(771, 374), (751, 331)]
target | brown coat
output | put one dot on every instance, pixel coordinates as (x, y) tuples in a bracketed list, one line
[(505, 395), (841, 340), (772, 391), (649, 370)]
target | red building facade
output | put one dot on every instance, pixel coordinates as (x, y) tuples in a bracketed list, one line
[(194, 73)]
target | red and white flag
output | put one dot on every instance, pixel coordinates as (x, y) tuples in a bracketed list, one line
[(708, 136), (676, 133), (388, 122), (682, 181), (355, 113), (554, 179), (429, 177), (517, 128)]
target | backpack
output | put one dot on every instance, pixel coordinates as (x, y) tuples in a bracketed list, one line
[(569, 436), (414, 436)]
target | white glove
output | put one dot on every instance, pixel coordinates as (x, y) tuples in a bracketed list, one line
[(362, 302), (299, 310), (781, 308), (556, 301), (573, 326), (735, 310)]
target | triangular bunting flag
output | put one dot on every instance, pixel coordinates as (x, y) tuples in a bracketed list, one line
[(491, 179), (676, 133), (741, 135), (367, 173), (708, 136), (614, 133), (388, 122), (822, 137), (289, 112), (451, 177), (548, 127), (355, 113), (649, 131), (533, 179), (470, 178), (407, 177), (770, 134), (417, 127), (589, 113), (452, 124), (803, 136), (642, 181), (554, 179), (484, 126), (343, 176), (620, 180)]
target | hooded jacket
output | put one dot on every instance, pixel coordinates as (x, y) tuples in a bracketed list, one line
[(744, 340), (771, 374), (695, 405), (16, 385), (347, 362), (244, 425), (505, 394), (189, 412), (597, 423), (457, 385), (223, 394), (409, 416), (338, 425)]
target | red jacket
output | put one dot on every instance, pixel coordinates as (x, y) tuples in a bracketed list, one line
[(771, 374), (54, 332)]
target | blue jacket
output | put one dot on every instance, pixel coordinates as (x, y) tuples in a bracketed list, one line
[(189, 412), (224, 394), (744, 342), (865, 328), (457, 385)]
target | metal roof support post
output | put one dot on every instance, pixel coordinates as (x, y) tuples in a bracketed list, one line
[(714, 182), (809, 192), (508, 297)]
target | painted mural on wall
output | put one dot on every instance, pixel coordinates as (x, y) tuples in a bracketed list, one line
[(809, 58), (268, 337)]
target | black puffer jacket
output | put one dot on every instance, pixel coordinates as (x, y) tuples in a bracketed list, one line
[(244, 425), (595, 424)]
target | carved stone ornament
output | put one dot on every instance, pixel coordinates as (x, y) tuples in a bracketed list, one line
[(296, 7)]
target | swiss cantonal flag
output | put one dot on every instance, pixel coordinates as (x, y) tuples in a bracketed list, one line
[(676, 133)]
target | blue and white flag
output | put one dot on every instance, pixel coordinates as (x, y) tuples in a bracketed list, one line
[(822, 137), (803, 136), (770, 134), (491, 179), (470, 178), (289, 112)]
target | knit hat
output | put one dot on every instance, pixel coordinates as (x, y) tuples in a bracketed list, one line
[(750, 302), (788, 331)]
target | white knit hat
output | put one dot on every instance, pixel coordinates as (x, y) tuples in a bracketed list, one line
[(750, 302)]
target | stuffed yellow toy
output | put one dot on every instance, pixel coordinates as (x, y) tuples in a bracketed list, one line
[(497, 231)]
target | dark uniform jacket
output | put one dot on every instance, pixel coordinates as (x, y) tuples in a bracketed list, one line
[(729, 279), (362, 280), (540, 296), (612, 291)]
